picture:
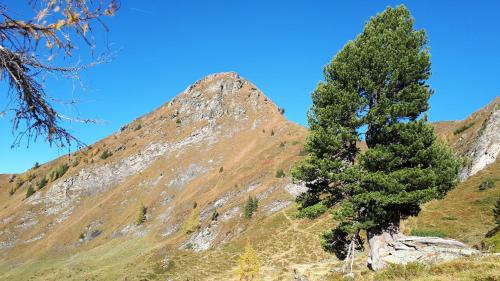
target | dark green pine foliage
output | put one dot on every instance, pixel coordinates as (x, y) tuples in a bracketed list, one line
[(251, 205), (30, 191), (377, 84)]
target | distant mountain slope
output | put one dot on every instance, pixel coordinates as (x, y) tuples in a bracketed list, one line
[(201, 154), (466, 212), (477, 137)]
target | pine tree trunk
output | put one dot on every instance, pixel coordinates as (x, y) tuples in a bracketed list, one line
[(381, 240)]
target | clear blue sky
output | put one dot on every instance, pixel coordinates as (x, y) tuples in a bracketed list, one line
[(281, 46)]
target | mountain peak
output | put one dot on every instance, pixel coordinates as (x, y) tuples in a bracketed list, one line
[(224, 94)]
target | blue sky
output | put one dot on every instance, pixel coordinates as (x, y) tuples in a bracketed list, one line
[(281, 46)]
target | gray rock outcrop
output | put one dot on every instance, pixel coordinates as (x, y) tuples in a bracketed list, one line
[(486, 147)]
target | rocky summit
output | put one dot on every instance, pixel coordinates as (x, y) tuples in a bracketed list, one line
[(166, 197)]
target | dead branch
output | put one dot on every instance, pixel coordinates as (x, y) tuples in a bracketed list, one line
[(56, 24)]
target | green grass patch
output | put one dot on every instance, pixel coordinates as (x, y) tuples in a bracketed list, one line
[(493, 243), (428, 232), (487, 183), (402, 272), (486, 202)]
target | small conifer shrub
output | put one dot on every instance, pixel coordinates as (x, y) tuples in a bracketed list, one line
[(106, 154), (280, 173), (250, 207), (487, 184), (29, 191), (58, 172), (141, 214), (215, 215), (41, 183)]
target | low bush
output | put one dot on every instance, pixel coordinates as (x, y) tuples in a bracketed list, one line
[(106, 154), (463, 128), (487, 184), (29, 191), (141, 214), (31, 177), (41, 183), (280, 173), (215, 215), (58, 172), (137, 127)]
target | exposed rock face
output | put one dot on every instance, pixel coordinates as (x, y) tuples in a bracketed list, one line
[(486, 147), (410, 249), (202, 240)]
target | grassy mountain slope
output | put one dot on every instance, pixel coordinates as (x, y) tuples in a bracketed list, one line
[(201, 154)]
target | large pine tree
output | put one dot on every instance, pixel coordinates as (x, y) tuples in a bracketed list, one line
[(375, 87)]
